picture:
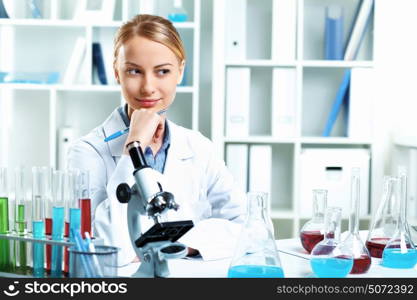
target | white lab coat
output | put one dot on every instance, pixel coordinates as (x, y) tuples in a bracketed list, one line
[(201, 184)]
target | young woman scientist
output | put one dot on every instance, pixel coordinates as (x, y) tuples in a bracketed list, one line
[(149, 62)]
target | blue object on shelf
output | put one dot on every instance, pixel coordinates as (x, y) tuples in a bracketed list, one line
[(3, 12), (29, 77), (334, 41), (341, 97), (175, 17), (98, 63)]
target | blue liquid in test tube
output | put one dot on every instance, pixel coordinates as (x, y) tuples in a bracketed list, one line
[(38, 249), (57, 235), (75, 221)]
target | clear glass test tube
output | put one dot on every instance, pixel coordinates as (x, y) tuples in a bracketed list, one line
[(6, 261), (20, 219), (58, 222), (84, 201)]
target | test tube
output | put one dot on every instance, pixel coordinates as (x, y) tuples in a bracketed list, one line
[(39, 191), (6, 263), (48, 216), (84, 201), (20, 220), (58, 223), (72, 210)]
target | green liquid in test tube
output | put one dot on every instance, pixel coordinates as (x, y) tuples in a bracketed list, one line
[(6, 263)]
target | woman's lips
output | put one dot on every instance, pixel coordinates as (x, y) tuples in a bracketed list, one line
[(148, 102)]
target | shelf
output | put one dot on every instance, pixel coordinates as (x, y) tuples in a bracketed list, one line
[(282, 214), (77, 23), (261, 140), (336, 64), (84, 88), (334, 141), (406, 141), (259, 63)]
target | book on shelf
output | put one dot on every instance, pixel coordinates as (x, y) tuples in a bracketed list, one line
[(98, 63), (235, 29), (360, 103), (3, 12), (284, 91), (342, 97), (333, 33), (237, 163), (75, 61), (284, 20), (260, 168), (358, 29), (237, 101)]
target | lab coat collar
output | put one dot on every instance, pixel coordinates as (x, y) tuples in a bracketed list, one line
[(179, 147)]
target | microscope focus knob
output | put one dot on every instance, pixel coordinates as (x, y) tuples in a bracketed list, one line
[(123, 193)]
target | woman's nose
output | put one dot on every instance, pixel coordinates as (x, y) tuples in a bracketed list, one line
[(148, 85)]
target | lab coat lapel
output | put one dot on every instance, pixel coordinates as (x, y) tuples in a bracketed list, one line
[(113, 124), (178, 166)]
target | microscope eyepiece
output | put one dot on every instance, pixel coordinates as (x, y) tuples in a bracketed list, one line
[(136, 154)]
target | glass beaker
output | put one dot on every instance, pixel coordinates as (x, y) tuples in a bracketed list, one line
[(330, 257), (384, 221), (178, 13), (361, 256), (313, 231), (256, 254), (400, 251)]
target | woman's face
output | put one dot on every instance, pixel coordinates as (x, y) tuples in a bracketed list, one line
[(148, 73)]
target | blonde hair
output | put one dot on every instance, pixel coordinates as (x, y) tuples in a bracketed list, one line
[(154, 28)]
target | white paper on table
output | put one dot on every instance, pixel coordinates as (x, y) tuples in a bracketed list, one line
[(213, 238)]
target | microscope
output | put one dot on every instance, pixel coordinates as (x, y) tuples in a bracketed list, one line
[(147, 197)]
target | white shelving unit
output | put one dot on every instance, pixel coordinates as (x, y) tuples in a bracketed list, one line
[(32, 114), (317, 81)]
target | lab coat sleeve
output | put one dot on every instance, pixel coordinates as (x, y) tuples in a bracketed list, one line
[(109, 217)]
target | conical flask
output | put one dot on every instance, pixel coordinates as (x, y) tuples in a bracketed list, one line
[(400, 251), (361, 256), (331, 258), (384, 221), (313, 231), (256, 255)]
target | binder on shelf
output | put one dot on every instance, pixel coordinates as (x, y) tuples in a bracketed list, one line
[(284, 90), (284, 20), (360, 103), (98, 63), (333, 34), (75, 61), (260, 168), (237, 163), (3, 12), (331, 169), (358, 28), (66, 136), (235, 29), (237, 102), (342, 96)]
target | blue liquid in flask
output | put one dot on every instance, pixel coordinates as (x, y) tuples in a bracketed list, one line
[(254, 271), (393, 258), (331, 267)]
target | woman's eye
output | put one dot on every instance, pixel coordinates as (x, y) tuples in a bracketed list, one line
[(133, 71), (163, 71)]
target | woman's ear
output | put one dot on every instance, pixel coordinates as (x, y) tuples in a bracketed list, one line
[(182, 68), (116, 74)]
